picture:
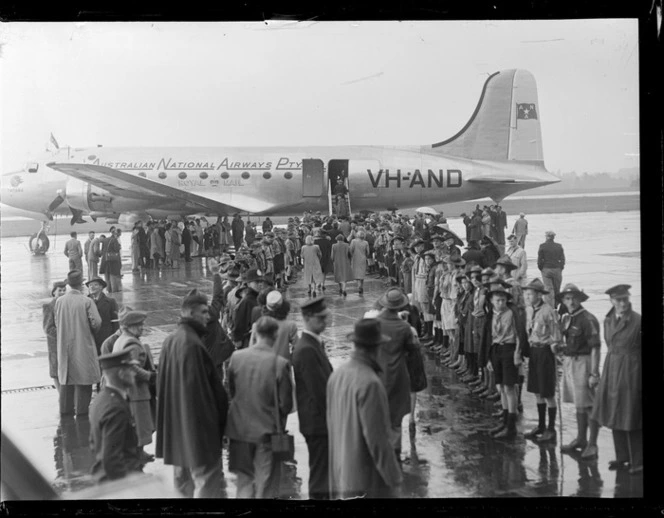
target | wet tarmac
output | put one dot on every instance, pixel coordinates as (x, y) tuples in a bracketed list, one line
[(451, 453)]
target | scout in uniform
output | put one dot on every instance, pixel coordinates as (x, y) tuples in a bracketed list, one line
[(544, 337), (112, 434), (580, 366)]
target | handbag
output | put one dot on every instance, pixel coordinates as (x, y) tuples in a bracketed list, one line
[(112, 256), (281, 442), (415, 366)]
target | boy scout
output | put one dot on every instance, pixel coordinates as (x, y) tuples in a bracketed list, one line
[(544, 337)]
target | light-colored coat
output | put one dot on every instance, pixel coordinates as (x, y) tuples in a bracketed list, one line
[(313, 273), (359, 251), (343, 271), (518, 256), (361, 458), (76, 320)]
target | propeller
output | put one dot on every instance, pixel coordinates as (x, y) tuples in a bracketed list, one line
[(57, 201), (77, 216)]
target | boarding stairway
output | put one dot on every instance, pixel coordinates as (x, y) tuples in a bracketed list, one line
[(331, 199)]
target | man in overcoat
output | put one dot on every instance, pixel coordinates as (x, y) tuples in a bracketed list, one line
[(108, 310), (312, 370), (551, 262), (76, 320), (113, 438), (392, 361), (191, 405), (361, 456), (237, 229), (618, 402)]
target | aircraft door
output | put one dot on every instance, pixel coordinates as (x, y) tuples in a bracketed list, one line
[(313, 177)]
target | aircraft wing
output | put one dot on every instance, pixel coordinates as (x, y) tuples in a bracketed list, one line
[(119, 183)]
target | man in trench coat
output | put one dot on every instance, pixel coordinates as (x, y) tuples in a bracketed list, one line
[(76, 321), (361, 457), (191, 405), (312, 370)]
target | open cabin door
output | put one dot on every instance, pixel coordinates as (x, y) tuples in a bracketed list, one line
[(338, 188), (313, 177)]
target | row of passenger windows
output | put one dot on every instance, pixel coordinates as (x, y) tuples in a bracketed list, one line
[(225, 175)]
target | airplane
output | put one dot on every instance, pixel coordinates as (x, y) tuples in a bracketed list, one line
[(497, 153)]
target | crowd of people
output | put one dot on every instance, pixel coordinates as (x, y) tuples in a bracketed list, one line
[(237, 365)]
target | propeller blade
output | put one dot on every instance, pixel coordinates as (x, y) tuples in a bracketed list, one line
[(76, 216), (57, 201)]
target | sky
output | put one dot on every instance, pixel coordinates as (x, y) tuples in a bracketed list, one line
[(308, 83)]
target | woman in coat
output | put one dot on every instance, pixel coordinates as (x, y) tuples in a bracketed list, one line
[(175, 246), (311, 256), (325, 246), (168, 244), (113, 266), (156, 247), (475, 228), (343, 270), (486, 224), (359, 252), (59, 288)]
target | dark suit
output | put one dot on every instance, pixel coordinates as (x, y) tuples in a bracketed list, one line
[(108, 310), (312, 370), (112, 436)]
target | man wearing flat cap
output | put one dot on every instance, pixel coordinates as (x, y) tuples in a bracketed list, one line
[(362, 461), (312, 370), (544, 338), (108, 310), (618, 402), (76, 321), (581, 354), (112, 434), (191, 404), (551, 262), (392, 361)]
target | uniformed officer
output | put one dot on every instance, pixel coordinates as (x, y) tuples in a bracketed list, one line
[(544, 337), (112, 434)]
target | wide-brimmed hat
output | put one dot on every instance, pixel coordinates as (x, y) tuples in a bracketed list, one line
[(619, 291), (75, 278), (232, 274), (97, 279), (456, 260), (461, 275), (393, 298), (475, 268), (417, 242), (58, 284), (121, 358), (497, 281), (431, 253), (253, 275), (314, 307), (536, 285), (488, 271), (367, 333), (497, 289), (473, 245), (574, 290), (506, 262)]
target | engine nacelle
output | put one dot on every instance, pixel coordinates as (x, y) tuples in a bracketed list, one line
[(86, 197)]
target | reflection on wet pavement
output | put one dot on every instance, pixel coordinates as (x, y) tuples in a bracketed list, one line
[(450, 453)]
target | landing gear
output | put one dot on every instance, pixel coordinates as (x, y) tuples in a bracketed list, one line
[(39, 242)]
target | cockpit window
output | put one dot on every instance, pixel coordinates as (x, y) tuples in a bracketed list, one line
[(32, 167)]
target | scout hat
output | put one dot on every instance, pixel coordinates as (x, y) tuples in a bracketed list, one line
[(253, 275), (232, 274), (572, 288), (315, 307), (367, 333), (99, 280), (619, 291), (456, 260), (393, 298), (461, 275), (473, 245), (498, 289), (475, 268), (437, 237), (415, 243), (536, 285), (269, 234), (75, 278), (132, 318), (496, 281), (488, 271), (506, 262), (119, 359), (58, 284), (431, 253)]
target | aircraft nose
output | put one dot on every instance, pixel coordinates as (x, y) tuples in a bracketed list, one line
[(12, 189)]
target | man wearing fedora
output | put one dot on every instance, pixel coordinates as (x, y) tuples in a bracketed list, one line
[(76, 321), (392, 361), (618, 402), (544, 337), (361, 456), (520, 230), (254, 282), (48, 324), (107, 308), (191, 404), (312, 370), (473, 254), (581, 354), (551, 262), (113, 438)]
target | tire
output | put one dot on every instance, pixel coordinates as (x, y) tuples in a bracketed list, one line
[(39, 243)]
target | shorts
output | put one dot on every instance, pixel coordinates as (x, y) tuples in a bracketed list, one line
[(502, 358), (542, 372), (575, 389)]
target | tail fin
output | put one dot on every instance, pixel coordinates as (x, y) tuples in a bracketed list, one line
[(505, 124)]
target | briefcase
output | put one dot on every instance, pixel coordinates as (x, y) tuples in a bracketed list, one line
[(283, 446)]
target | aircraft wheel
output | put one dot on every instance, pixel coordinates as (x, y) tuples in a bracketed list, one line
[(39, 243)]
